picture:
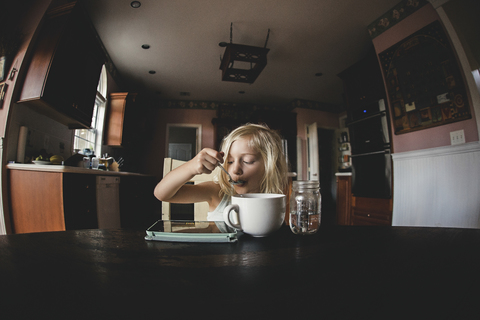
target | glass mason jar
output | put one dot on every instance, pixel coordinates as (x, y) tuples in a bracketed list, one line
[(305, 207)]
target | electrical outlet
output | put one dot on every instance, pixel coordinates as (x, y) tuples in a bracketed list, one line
[(457, 137)]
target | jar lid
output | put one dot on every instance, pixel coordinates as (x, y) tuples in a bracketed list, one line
[(311, 184)]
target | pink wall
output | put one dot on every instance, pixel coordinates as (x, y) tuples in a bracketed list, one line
[(156, 152), (433, 137), (309, 116)]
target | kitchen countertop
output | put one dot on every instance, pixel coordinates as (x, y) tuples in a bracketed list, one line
[(67, 169)]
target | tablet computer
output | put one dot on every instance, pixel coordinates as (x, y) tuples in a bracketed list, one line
[(191, 231)]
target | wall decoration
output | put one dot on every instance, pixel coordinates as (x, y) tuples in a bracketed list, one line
[(186, 104), (3, 68), (249, 107), (3, 89), (424, 83), (394, 16), (10, 39)]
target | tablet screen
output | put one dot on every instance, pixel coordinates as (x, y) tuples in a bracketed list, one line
[(191, 231), (187, 226)]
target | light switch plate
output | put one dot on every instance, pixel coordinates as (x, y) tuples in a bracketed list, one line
[(457, 137)]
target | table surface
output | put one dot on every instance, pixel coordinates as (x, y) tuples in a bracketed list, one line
[(342, 272)]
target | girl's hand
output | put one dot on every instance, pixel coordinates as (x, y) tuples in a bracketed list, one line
[(172, 187), (206, 161)]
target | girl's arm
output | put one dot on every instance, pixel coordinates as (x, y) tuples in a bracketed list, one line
[(172, 187)]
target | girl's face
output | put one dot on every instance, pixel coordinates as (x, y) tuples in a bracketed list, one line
[(245, 164)]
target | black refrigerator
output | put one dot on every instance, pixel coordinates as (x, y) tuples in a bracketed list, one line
[(371, 154)]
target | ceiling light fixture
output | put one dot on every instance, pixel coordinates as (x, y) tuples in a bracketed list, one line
[(145, 46), (250, 61), (135, 4), (152, 71), (318, 74)]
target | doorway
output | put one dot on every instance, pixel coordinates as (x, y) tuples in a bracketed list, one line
[(183, 142), (312, 152), (326, 155), (321, 163)]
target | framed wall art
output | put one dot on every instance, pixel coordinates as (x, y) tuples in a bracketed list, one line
[(424, 83), (3, 89), (3, 68)]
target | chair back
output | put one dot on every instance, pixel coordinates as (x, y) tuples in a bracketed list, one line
[(200, 208)]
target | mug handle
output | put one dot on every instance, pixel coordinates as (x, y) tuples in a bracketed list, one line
[(226, 216)]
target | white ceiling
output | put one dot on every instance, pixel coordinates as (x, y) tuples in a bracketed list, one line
[(306, 37)]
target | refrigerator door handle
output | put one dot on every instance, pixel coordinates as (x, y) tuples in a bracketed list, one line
[(369, 153)]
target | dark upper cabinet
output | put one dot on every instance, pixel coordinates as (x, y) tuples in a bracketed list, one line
[(363, 82), (65, 67)]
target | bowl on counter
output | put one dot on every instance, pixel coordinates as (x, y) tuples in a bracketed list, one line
[(41, 162)]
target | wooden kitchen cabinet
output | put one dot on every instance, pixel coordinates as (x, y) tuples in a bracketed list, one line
[(371, 211), (79, 201), (65, 67), (360, 211), (344, 199), (51, 201), (66, 198), (123, 118)]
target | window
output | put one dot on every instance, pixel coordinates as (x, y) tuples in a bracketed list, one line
[(92, 138)]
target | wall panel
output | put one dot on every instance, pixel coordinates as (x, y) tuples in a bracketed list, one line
[(437, 187)]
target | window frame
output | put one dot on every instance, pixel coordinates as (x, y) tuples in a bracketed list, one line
[(95, 133)]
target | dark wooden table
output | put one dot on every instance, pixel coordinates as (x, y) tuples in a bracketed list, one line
[(341, 272)]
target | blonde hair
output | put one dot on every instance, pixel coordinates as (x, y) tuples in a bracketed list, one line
[(269, 144)]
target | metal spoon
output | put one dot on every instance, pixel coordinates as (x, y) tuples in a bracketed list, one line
[(230, 177)]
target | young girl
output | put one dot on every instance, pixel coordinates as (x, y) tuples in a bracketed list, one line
[(254, 159)]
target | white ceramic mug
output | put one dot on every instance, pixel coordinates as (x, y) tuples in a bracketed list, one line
[(257, 214)]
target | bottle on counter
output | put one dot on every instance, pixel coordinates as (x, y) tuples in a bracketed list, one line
[(94, 163)]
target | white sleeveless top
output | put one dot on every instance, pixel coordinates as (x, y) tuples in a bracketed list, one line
[(217, 214)]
